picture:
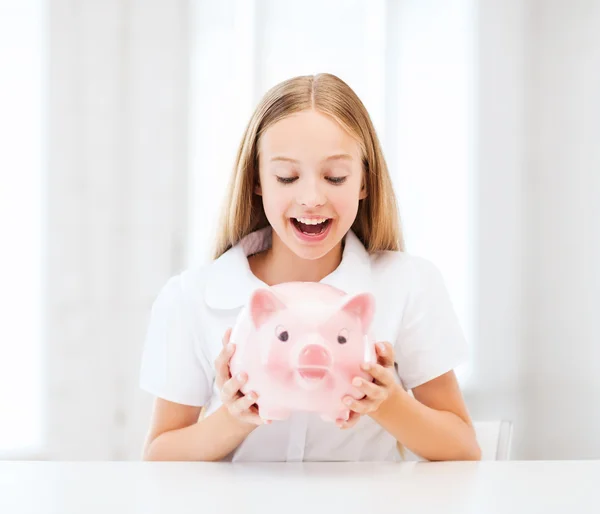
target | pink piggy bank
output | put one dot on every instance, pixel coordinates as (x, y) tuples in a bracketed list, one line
[(301, 344)]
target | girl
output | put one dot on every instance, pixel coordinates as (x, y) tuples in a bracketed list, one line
[(310, 199)]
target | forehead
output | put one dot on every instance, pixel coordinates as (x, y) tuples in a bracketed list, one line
[(307, 135)]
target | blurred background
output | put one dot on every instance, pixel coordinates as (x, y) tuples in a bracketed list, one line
[(119, 122)]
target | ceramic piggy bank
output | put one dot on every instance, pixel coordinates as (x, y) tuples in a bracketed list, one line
[(301, 344)]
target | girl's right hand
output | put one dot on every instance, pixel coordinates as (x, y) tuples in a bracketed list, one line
[(241, 407)]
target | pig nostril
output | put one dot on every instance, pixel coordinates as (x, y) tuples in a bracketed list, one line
[(314, 355)]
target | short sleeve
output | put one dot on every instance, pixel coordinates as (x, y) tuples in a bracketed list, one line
[(173, 363), (431, 341)]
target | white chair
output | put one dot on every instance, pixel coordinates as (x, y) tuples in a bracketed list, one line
[(494, 438)]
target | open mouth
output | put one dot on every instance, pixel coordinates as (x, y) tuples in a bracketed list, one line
[(311, 227), (312, 374)]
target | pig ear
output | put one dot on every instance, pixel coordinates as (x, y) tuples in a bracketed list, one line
[(363, 306), (263, 304)]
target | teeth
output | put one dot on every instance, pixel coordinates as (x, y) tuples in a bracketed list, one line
[(316, 221)]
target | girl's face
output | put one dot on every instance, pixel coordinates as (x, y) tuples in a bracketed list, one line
[(311, 181)]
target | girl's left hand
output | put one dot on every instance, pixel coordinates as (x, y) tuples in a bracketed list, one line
[(375, 392)]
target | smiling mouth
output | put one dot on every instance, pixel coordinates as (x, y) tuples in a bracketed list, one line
[(311, 229), (312, 374)]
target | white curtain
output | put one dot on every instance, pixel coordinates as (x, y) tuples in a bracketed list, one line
[(116, 211)]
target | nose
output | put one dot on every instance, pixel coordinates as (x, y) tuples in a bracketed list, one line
[(310, 194), (314, 355)]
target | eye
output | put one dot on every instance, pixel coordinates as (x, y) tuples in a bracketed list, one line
[(286, 180), (336, 180), (281, 333), (342, 337)]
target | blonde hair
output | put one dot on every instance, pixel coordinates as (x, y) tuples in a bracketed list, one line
[(377, 222)]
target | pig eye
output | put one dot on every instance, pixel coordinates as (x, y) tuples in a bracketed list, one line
[(281, 333), (342, 337)]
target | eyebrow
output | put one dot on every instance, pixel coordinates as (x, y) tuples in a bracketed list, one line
[(339, 156)]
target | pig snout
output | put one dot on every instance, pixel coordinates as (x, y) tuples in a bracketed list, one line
[(314, 355)]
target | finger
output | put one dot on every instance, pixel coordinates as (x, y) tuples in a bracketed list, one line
[(227, 350), (245, 408), (379, 373), (370, 389), (220, 376), (222, 364), (361, 406), (244, 403), (225, 354), (385, 354), (222, 357), (253, 409), (232, 387), (352, 420)]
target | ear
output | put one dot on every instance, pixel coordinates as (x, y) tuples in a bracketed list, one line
[(362, 306), (263, 304)]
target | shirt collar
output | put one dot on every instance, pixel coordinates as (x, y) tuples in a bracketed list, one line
[(230, 281)]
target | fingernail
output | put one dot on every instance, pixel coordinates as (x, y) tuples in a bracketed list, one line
[(381, 346), (241, 377), (365, 366), (356, 382), (252, 396), (348, 401), (230, 347)]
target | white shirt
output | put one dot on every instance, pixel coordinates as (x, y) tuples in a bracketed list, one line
[(194, 309)]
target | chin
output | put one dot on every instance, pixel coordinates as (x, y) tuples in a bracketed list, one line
[(310, 254)]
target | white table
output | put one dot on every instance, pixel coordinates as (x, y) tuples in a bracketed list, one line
[(173, 488)]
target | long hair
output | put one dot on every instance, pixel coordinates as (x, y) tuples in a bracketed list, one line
[(377, 222)]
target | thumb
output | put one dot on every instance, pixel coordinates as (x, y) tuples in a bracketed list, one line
[(226, 337), (385, 354)]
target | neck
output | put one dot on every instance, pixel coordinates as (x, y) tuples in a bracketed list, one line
[(279, 264)]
